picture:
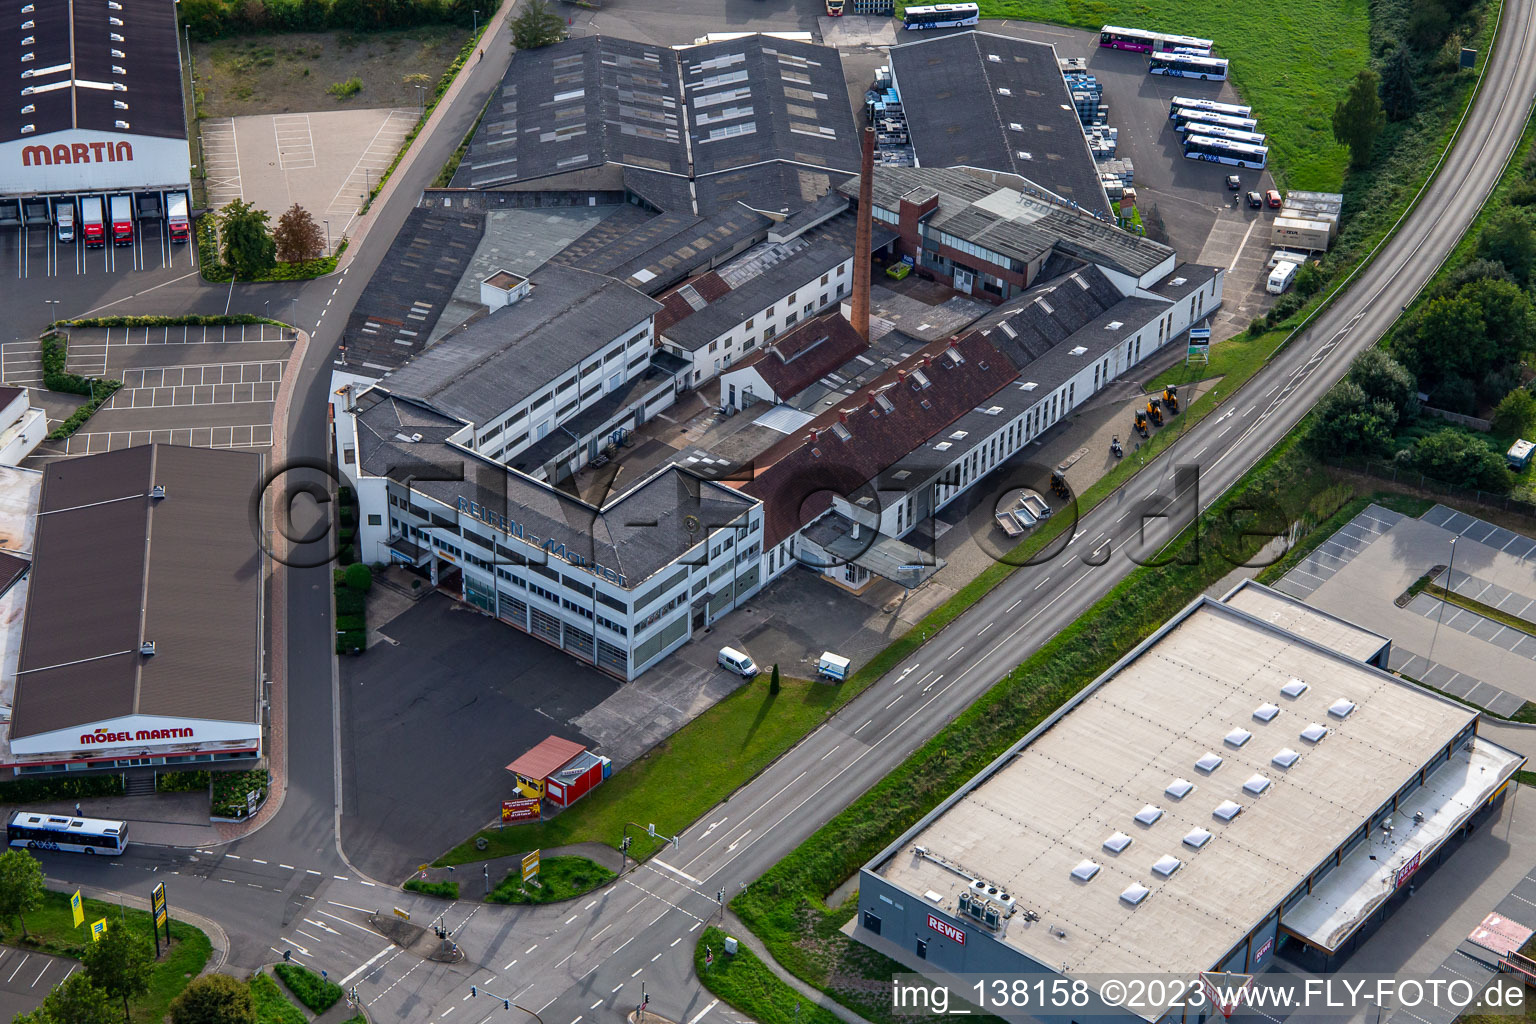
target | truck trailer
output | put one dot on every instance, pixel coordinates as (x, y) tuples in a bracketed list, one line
[(92, 229), (122, 220)]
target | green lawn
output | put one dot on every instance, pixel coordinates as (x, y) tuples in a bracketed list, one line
[(681, 777), (748, 984), (53, 931), (560, 878), (272, 1007), (1291, 60)]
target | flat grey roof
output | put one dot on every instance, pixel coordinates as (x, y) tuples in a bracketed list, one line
[(80, 59), (494, 363), (1298, 617), (643, 530), (1013, 223), (982, 100), (1028, 820), (113, 567)]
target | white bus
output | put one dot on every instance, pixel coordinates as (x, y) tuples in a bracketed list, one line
[(1140, 41), (1225, 151), (43, 831), (1195, 118), (1228, 109), (941, 16), (1218, 131), (1211, 69)]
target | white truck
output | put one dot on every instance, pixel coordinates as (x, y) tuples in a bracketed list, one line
[(176, 219), (64, 218), (1281, 278), (122, 220)]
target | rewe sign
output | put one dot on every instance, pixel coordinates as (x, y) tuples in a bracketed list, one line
[(946, 929)]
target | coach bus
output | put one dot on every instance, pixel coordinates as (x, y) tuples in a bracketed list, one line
[(1225, 151), (1195, 118), (1213, 69), (1114, 38), (1216, 131), (1227, 109), (941, 16), (43, 831)]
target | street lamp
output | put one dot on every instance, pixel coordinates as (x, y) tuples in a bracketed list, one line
[(1450, 585), (477, 24), (327, 236), (53, 314), (421, 101)]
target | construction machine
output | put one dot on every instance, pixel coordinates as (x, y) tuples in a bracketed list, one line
[(1141, 423), (1059, 485), (1155, 411), (1171, 397)]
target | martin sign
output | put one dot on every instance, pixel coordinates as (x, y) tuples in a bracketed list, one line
[(946, 929), (77, 153), (137, 736)]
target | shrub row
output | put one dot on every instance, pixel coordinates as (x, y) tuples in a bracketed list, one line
[(312, 990), (57, 378), (230, 789), (448, 890), (189, 320), (181, 782), (22, 791), (209, 19)]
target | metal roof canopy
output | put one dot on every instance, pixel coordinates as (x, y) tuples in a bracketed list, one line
[(547, 758), (886, 557)]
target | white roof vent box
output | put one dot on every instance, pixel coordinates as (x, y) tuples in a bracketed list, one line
[(1266, 712), (1117, 842), (1295, 688), (1178, 789), (1085, 871), (1341, 708), (1134, 893)]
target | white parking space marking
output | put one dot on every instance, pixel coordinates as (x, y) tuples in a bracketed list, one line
[(378, 155), (243, 435), (221, 160), (295, 142)]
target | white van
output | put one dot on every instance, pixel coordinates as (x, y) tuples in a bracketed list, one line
[(1280, 278), (64, 215), (736, 661)]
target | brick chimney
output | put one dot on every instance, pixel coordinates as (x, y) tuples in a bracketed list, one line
[(859, 301)]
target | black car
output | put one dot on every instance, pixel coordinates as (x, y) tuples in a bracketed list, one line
[(1234, 182), (1255, 200)]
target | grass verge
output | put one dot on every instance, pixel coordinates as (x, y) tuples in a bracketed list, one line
[(1486, 611), (750, 985), (446, 890), (678, 779), (52, 930), (560, 878), (272, 1007)]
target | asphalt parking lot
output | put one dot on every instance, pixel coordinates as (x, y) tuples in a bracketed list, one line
[(430, 720), (325, 161), (210, 387), (25, 978)]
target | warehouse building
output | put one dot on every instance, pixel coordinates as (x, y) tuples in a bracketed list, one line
[(135, 638), (756, 121), (97, 107), (1228, 792), (996, 103)]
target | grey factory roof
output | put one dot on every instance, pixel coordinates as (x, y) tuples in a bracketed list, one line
[(644, 529), (1007, 221), (766, 123), (981, 100), (758, 98), (664, 250), (581, 103), (489, 366), (165, 569), (1030, 325), (74, 62), (414, 282), (767, 273), (1057, 796)]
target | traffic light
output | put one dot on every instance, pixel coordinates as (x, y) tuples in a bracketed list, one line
[(473, 990), (720, 897), (506, 1004), (624, 846)]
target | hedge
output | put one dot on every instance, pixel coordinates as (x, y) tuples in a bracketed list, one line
[(351, 641), (22, 791), (448, 890), (349, 602), (272, 1007), (181, 782), (189, 320), (55, 356), (210, 19), (312, 990)]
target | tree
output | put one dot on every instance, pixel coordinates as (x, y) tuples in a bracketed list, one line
[(1399, 96), (1358, 117), (773, 680), (1384, 379), (1308, 280), (1511, 240), (214, 999), (358, 577), (297, 237), (1429, 24), (248, 249), (1456, 457), (1516, 414), (1445, 339), (1508, 321), (1348, 421), (537, 26), (21, 885), (120, 964), (76, 1001)]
